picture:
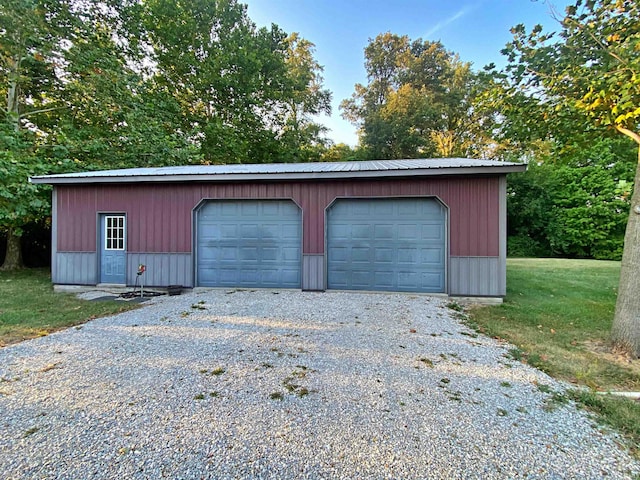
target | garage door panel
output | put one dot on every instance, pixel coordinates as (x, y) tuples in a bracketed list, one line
[(407, 279), (291, 254), (358, 231), (409, 209), (384, 255), (225, 209), (249, 209), (384, 279), (432, 231), (338, 254), (408, 255), (361, 279), (383, 232), (408, 232), (226, 232), (249, 243), (434, 256), (432, 281), (290, 232), (387, 244), (270, 254), (360, 254)]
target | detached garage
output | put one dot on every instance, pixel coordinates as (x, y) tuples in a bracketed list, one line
[(427, 225)]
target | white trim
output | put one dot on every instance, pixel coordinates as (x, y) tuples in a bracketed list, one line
[(111, 229)]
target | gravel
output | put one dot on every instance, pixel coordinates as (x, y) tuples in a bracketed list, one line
[(288, 384)]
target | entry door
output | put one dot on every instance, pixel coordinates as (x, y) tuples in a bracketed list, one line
[(113, 252)]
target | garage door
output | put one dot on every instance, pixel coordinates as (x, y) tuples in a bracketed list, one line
[(387, 244), (249, 243)]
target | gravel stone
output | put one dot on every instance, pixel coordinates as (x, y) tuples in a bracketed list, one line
[(289, 384)]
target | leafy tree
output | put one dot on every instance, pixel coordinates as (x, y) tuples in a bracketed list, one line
[(573, 201), (592, 66), (27, 79), (302, 137), (247, 93), (342, 152), (417, 103)]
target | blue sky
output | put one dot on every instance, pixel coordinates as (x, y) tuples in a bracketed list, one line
[(475, 29)]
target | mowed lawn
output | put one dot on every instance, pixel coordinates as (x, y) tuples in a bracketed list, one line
[(558, 313), (29, 307)]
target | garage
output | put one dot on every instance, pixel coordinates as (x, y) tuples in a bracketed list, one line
[(248, 243), (388, 244), (435, 225)]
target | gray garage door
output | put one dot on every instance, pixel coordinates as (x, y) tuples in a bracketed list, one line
[(249, 243), (387, 244)]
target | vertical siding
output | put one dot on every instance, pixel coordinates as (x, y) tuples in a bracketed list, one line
[(159, 216), (313, 272), (475, 276), (54, 231), (163, 269), (502, 234), (77, 268)]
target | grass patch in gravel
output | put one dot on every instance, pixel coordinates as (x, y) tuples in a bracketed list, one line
[(558, 314), (30, 308)]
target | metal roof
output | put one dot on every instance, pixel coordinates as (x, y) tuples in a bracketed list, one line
[(289, 171)]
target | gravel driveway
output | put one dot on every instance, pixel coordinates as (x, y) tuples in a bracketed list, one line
[(285, 384)]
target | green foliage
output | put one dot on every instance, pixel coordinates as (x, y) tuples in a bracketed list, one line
[(246, 94), (343, 153), (591, 65), (417, 103), (20, 201), (573, 202)]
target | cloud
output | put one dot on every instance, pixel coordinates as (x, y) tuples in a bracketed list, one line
[(459, 14)]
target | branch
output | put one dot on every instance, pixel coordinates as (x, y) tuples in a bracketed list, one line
[(629, 133), (602, 46), (44, 110)]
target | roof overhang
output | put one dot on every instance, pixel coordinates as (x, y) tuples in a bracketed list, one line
[(288, 172)]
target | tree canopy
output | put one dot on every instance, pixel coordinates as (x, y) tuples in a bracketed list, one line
[(417, 102)]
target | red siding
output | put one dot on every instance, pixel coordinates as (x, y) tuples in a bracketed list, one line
[(159, 216)]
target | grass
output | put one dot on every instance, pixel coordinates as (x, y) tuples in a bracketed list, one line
[(558, 314), (29, 308)]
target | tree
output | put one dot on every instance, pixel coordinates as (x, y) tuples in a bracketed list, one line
[(246, 93), (592, 66), (302, 137), (27, 79), (572, 201), (417, 103)]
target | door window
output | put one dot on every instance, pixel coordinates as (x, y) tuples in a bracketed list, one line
[(114, 232)]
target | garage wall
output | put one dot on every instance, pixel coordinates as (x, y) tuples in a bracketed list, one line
[(160, 220), (160, 215)]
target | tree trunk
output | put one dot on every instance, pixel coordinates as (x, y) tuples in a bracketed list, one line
[(625, 332), (13, 259)]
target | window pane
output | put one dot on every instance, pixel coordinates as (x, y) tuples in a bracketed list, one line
[(114, 232)]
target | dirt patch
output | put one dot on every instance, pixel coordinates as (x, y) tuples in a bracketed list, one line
[(605, 351)]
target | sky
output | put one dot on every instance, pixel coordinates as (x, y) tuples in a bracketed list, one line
[(340, 29)]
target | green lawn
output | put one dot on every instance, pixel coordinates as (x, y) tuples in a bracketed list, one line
[(29, 307), (558, 314)]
